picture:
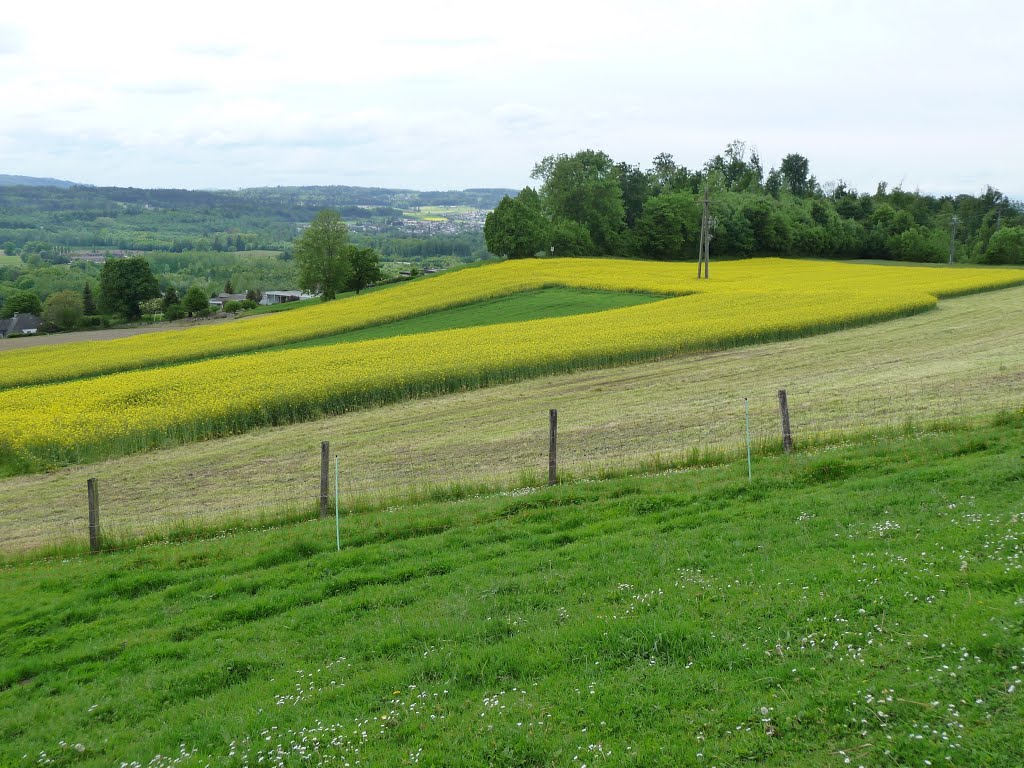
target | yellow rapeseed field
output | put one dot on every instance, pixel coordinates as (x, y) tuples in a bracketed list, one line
[(745, 301)]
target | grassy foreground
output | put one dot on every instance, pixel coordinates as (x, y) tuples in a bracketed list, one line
[(860, 605)]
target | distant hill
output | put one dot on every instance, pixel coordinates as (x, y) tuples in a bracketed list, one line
[(259, 218), (336, 196), (7, 180)]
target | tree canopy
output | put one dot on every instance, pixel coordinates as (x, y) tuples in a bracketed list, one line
[(516, 228), (591, 205), (585, 188), (321, 254), (21, 302), (195, 302), (63, 310), (365, 268), (328, 263), (124, 284)]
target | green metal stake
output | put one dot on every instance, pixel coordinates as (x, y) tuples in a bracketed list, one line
[(746, 409), (337, 513)]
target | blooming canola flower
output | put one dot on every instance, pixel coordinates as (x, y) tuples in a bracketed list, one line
[(114, 399)]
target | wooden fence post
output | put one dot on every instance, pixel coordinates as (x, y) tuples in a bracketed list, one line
[(787, 435), (95, 543), (553, 448), (325, 471)]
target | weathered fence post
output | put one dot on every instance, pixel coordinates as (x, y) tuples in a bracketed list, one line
[(325, 471), (553, 448), (787, 435), (95, 543)]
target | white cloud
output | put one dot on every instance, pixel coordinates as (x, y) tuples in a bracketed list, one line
[(411, 94), (12, 40)]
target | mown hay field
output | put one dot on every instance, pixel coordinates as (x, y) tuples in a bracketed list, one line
[(751, 301)]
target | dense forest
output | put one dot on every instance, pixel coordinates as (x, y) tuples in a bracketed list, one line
[(587, 204)]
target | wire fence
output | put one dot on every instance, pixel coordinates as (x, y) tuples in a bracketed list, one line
[(476, 451)]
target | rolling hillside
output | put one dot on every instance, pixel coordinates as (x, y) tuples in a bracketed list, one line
[(960, 361)]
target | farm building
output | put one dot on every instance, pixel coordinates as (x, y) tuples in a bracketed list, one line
[(221, 299), (281, 297)]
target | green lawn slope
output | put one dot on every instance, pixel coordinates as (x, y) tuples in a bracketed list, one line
[(857, 605), (518, 308)]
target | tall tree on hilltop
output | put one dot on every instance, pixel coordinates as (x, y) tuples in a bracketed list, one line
[(516, 228), (584, 188), (322, 255), (795, 172)]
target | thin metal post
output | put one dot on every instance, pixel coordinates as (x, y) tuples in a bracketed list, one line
[(337, 509), (952, 239), (746, 411)]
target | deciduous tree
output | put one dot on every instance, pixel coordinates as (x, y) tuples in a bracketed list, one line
[(584, 187), (516, 228), (124, 283), (365, 266), (321, 253), (22, 302), (669, 227), (63, 309), (195, 301), (1006, 246)]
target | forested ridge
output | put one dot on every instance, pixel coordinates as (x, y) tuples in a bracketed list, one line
[(587, 204)]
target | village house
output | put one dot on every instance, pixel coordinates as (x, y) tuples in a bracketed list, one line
[(22, 322)]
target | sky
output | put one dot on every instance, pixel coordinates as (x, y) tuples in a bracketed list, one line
[(200, 95)]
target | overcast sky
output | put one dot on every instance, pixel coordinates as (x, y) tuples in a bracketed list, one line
[(471, 94)]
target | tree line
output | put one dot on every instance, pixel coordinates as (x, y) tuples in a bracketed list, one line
[(586, 204)]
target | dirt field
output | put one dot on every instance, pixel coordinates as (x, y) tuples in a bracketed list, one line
[(24, 342), (962, 359)]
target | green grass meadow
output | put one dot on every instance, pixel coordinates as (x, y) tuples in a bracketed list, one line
[(517, 308), (860, 604), (8, 260)]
